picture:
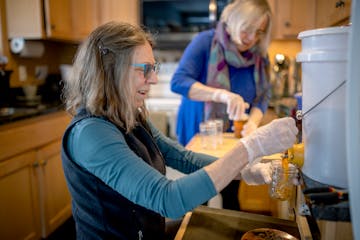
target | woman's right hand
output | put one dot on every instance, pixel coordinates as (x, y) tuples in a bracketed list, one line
[(236, 105), (274, 137)]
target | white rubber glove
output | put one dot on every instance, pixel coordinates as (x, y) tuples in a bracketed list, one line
[(236, 105), (257, 173), (249, 127), (275, 137)]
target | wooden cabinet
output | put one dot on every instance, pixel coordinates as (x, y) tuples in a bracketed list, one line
[(2, 26), (85, 16), (115, 10), (55, 200), (332, 12), (291, 17), (34, 197), (70, 20), (65, 19), (58, 19), (20, 214), (24, 18)]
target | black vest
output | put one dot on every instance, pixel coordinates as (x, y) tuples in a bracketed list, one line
[(99, 211)]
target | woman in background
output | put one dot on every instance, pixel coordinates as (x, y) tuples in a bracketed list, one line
[(223, 73)]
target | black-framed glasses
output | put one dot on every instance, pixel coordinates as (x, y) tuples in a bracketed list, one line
[(147, 68)]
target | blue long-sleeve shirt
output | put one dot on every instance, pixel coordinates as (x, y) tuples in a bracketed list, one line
[(100, 147), (192, 68)]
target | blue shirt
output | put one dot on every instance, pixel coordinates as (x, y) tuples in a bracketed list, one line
[(193, 68), (99, 146)]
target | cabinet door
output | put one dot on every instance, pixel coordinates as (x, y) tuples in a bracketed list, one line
[(85, 17), (291, 17), (332, 12), (55, 200), (19, 214), (114, 10), (58, 19), (70, 20), (24, 19), (2, 41)]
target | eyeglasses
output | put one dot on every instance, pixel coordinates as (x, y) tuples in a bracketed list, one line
[(251, 30), (147, 68)]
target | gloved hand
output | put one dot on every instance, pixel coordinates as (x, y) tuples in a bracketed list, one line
[(236, 105), (257, 173), (274, 137), (249, 127)]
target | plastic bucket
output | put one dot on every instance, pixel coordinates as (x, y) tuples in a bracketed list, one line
[(324, 59)]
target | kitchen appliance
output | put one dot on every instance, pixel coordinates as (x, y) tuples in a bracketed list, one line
[(178, 21), (324, 60)]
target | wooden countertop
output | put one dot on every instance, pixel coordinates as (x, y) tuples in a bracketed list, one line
[(229, 141)]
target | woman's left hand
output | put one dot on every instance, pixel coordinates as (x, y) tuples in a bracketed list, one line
[(236, 105), (257, 173)]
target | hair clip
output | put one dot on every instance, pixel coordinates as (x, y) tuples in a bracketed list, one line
[(103, 50)]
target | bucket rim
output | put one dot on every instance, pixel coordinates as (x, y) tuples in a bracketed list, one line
[(324, 31), (322, 56)]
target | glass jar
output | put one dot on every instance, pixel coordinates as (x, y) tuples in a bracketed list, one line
[(282, 180), (219, 130), (208, 135)]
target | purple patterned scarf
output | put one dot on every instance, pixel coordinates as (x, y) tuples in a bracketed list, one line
[(223, 53)]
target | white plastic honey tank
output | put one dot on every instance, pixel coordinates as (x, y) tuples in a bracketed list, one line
[(324, 58)]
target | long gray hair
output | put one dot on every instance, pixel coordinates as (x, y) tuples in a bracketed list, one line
[(101, 79)]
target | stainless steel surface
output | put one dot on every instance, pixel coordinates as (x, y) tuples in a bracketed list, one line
[(12, 114), (9, 111)]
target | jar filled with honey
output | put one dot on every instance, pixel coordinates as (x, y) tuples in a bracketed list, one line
[(282, 180)]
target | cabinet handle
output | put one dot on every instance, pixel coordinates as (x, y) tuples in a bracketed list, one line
[(340, 4), (36, 164), (287, 24), (43, 163)]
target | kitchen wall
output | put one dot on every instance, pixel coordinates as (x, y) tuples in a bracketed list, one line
[(287, 47), (290, 48), (286, 22), (56, 53)]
